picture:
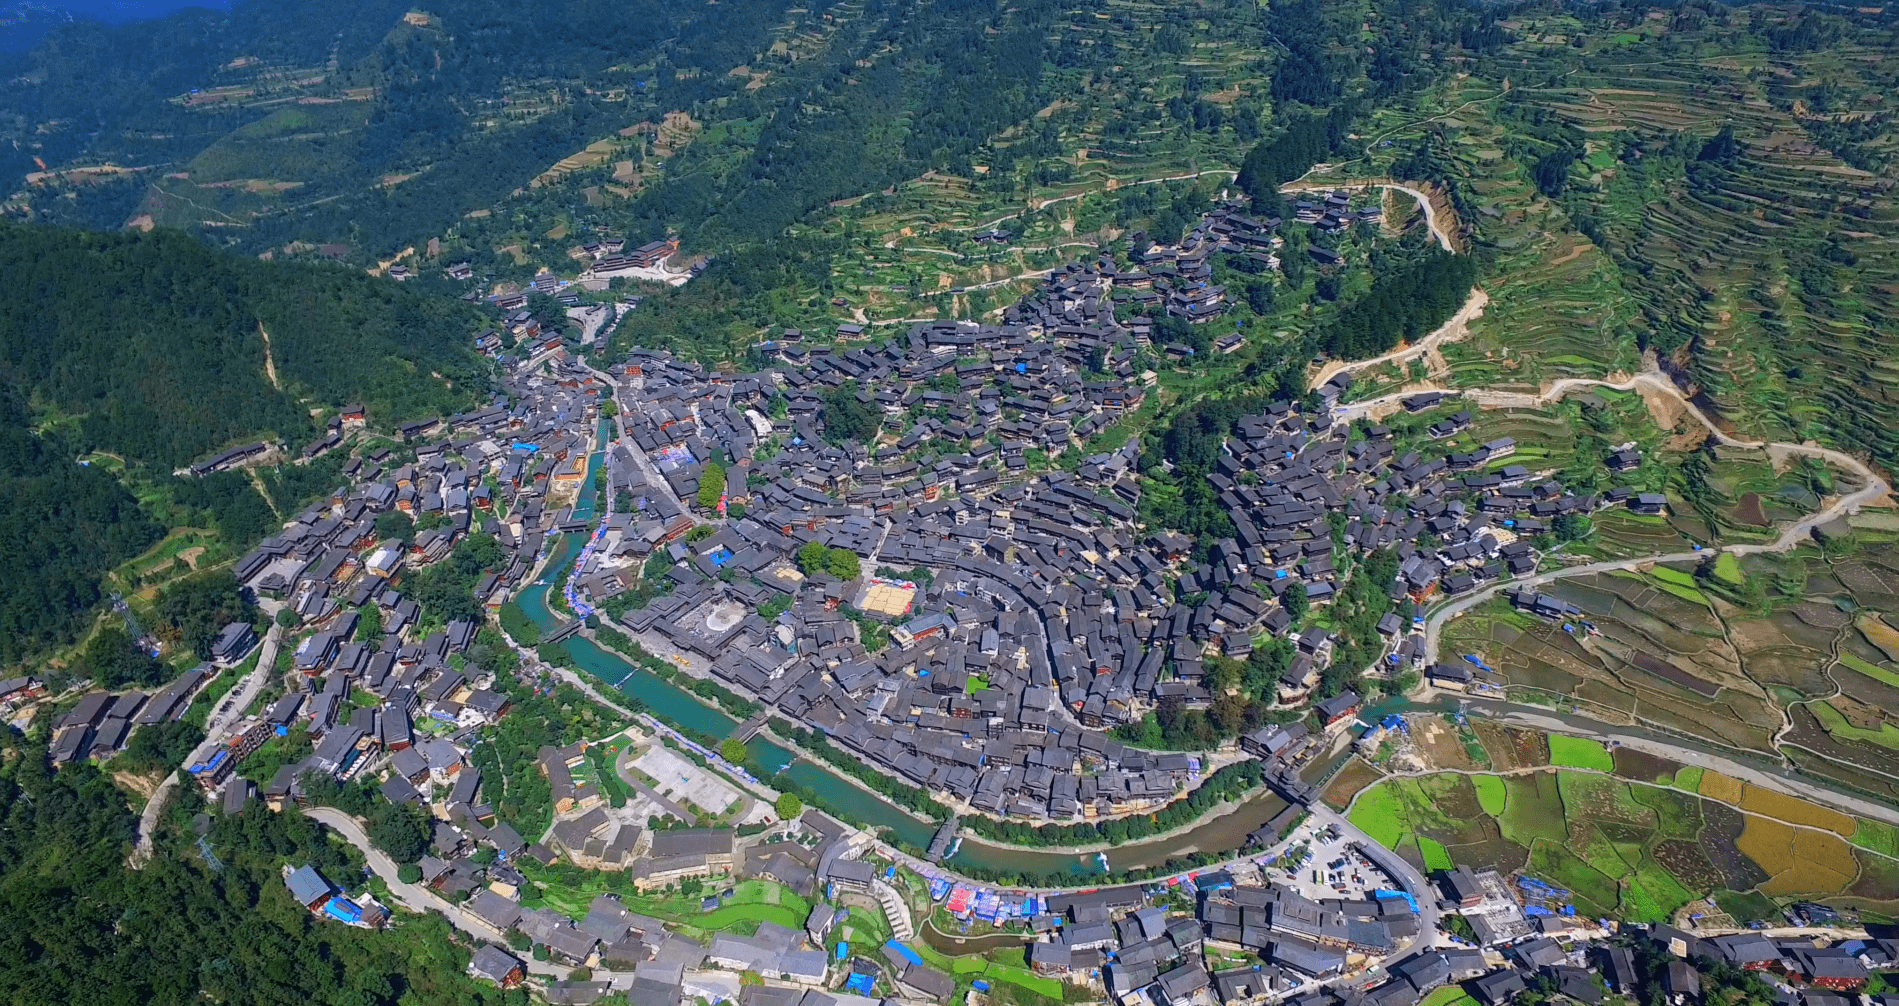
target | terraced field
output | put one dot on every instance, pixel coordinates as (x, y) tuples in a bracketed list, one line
[(1633, 848), (1782, 655), (1762, 268)]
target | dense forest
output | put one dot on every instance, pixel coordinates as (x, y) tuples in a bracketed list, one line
[(62, 526), (156, 346), (151, 348), (77, 926)]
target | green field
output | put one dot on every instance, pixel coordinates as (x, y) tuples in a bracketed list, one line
[(1836, 724), (1871, 670), (1580, 752), (1377, 813), (1435, 857), (1877, 836), (1491, 793)]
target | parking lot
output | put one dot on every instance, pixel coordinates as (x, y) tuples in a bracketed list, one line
[(1330, 867), (682, 781)]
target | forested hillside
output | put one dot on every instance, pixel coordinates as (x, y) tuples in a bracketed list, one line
[(76, 926), (152, 347)]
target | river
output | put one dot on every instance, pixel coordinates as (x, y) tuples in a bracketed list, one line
[(860, 806)]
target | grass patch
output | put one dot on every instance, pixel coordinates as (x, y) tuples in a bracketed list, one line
[(1871, 670), (1727, 569), (1590, 890), (1491, 794), (1379, 815), (1580, 752), (1878, 836), (1435, 856), (1747, 906), (1448, 995), (1653, 894)]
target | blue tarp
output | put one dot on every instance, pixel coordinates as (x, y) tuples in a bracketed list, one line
[(860, 984), (1406, 895), (342, 910), (843, 950), (905, 952)]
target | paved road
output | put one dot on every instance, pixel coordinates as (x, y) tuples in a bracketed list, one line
[(646, 466), (1784, 781), (217, 729), (1872, 488), (415, 897)]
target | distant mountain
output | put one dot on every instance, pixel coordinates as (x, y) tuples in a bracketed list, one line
[(23, 23)]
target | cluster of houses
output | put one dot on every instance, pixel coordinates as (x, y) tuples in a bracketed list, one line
[(653, 966), (1027, 611), (102, 724)]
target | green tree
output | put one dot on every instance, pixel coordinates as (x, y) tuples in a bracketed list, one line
[(369, 625), (409, 873), (711, 485), (287, 617), (394, 526), (1295, 602), (788, 806), (811, 557), (114, 661), (732, 750), (843, 564), (402, 830), (161, 747), (846, 418), (195, 609)]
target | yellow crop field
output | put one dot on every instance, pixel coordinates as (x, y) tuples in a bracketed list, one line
[(1802, 862), (1724, 788), (1792, 810), (1769, 843)]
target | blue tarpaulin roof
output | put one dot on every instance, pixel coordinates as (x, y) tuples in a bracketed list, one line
[(907, 953)]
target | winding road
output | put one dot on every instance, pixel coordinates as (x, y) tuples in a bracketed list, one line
[(216, 729), (1872, 487), (415, 897)]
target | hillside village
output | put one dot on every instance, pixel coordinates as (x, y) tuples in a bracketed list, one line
[(906, 547)]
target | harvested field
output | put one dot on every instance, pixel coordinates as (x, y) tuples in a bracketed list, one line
[(1720, 838), (1510, 748), (1726, 789), (1878, 882), (1689, 864), (1597, 799), (1357, 775), (1632, 764), (1794, 811), (1534, 809)]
